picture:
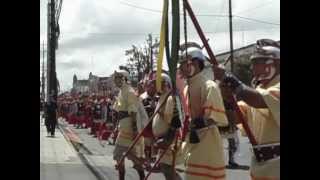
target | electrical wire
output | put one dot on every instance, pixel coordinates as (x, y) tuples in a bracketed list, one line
[(256, 20), (157, 11), (255, 7), (203, 15)]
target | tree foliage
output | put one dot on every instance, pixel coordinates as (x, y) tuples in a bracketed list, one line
[(242, 68), (139, 59)]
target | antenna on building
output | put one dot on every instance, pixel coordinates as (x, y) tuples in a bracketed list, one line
[(91, 63), (243, 44)]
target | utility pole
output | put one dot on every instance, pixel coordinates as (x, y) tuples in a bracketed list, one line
[(48, 51), (52, 90), (43, 78), (231, 37), (51, 55)]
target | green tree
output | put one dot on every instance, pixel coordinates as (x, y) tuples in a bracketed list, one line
[(242, 69), (140, 58)]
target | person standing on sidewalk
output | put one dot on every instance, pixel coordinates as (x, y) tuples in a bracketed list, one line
[(126, 107), (45, 117), (204, 148), (51, 117), (261, 107)]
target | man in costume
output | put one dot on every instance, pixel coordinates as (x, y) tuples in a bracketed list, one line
[(261, 107), (126, 107), (229, 132), (81, 112), (161, 126), (149, 100), (205, 153), (97, 116)]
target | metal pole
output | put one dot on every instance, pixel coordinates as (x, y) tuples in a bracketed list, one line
[(53, 88), (231, 37), (48, 51), (51, 69), (196, 24), (43, 78)]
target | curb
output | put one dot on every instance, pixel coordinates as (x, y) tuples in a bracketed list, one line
[(78, 145), (96, 171)]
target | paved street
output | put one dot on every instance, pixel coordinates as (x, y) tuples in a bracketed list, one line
[(101, 157), (59, 160)]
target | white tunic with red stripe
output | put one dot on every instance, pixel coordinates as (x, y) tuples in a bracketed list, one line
[(205, 160), (128, 101), (160, 126), (265, 126)]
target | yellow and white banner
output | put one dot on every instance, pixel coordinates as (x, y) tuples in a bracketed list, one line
[(161, 46)]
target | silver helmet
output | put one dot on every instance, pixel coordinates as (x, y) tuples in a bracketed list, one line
[(266, 49)]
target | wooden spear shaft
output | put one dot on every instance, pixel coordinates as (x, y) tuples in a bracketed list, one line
[(140, 134), (214, 62)]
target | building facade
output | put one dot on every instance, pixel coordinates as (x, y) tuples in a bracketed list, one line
[(102, 86)]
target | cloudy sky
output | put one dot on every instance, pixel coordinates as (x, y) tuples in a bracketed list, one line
[(96, 33)]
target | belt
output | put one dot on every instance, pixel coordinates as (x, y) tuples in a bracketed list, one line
[(206, 128), (198, 124), (123, 114), (266, 152)]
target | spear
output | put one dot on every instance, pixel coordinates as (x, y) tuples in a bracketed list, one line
[(172, 65), (141, 133), (158, 81), (214, 62), (173, 70)]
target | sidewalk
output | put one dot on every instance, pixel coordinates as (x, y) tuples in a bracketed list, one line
[(100, 158), (59, 160)]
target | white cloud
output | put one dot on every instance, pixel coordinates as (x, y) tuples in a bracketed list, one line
[(92, 36)]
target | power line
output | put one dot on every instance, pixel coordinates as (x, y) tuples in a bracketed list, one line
[(114, 34), (218, 22), (158, 11), (256, 20), (204, 15), (139, 7), (121, 34), (255, 7), (142, 34)]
